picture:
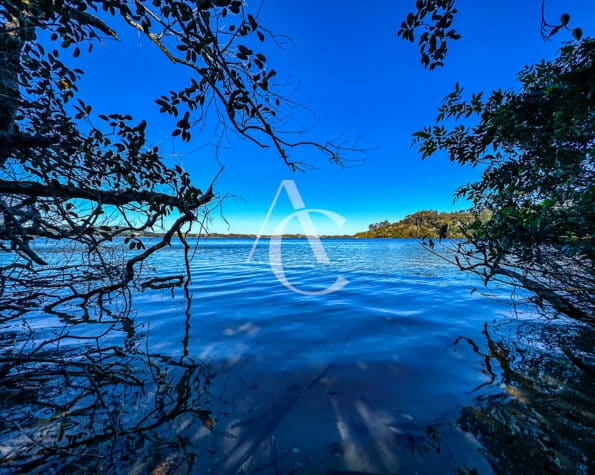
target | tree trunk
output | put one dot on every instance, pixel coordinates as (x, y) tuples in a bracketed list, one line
[(11, 45)]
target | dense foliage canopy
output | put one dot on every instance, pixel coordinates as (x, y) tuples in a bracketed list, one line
[(536, 145)]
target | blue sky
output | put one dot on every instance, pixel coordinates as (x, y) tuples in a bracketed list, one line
[(356, 79)]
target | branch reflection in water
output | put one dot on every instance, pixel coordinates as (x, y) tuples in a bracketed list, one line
[(83, 393), (366, 383), (536, 410)]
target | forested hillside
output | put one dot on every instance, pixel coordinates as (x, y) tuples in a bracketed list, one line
[(431, 224)]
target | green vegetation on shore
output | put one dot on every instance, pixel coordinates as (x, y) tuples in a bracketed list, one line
[(430, 224), (421, 224)]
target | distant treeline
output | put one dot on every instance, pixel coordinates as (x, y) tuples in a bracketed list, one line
[(422, 224), (430, 224), (207, 235)]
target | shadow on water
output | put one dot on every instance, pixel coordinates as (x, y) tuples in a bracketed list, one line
[(542, 418), (89, 396), (82, 394), (85, 393)]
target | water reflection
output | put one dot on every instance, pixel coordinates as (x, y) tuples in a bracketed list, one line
[(80, 402), (405, 370), (541, 417)]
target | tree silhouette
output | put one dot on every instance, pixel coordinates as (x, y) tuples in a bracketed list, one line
[(82, 180), (536, 191), (433, 23)]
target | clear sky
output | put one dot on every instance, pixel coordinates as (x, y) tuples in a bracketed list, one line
[(357, 79)]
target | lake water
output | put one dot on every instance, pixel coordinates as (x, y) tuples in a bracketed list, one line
[(367, 379)]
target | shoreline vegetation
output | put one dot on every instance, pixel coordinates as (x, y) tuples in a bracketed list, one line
[(421, 224)]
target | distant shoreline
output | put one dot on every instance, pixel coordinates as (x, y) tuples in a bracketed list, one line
[(420, 225), (288, 236)]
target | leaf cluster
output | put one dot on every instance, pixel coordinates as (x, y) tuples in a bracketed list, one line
[(536, 147)]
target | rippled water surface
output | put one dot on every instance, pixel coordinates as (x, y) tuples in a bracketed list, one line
[(367, 379)]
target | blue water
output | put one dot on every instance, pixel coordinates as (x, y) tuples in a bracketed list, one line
[(371, 365), (366, 379)]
